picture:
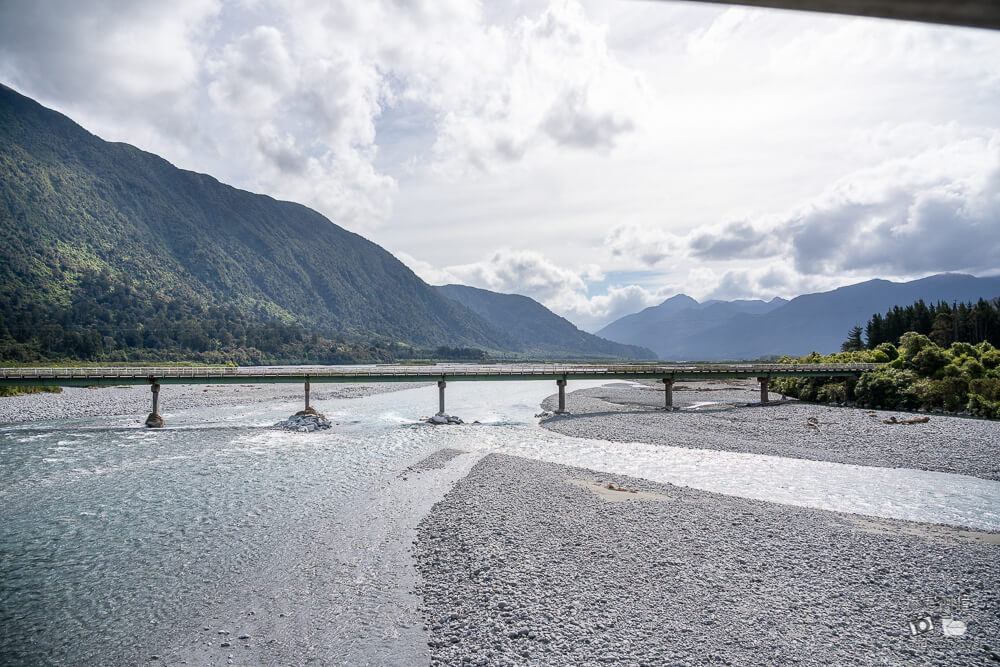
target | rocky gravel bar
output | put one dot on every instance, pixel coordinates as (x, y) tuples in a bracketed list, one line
[(527, 562), (80, 402), (726, 415)]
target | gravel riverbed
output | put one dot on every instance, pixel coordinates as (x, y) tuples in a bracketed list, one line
[(713, 415), (526, 562), (77, 402)]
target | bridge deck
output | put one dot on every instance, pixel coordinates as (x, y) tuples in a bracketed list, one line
[(121, 375)]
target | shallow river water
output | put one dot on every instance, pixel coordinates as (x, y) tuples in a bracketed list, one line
[(117, 542)]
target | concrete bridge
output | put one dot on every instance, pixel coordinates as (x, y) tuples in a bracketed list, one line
[(154, 376)]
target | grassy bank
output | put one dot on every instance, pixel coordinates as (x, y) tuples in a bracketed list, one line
[(18, 391)]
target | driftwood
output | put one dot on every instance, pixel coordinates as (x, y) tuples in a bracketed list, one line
[(611, 485), (915, 420), (814, 423)]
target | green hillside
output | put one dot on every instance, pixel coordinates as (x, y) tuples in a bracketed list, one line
[(104, 248)]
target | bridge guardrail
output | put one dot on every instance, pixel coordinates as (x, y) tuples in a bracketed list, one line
[(110, 372)]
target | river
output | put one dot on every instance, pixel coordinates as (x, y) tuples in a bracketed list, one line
[(119, 543)]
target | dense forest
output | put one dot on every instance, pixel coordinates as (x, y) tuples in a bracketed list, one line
[(943, 323), (115, 320)]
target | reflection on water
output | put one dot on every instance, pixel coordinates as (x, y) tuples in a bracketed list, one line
[(115, 539)]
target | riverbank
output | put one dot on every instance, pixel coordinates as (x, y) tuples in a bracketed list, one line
[(713, 415), (80, 402), (532, 562), (248, 545)]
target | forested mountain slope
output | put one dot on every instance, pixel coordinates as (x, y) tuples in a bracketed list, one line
[(97, 239)]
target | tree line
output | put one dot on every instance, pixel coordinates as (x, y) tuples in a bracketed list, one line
[(113, 320), (942, 323)]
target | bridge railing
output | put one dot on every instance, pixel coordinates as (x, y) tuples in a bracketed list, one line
[(132, 372)]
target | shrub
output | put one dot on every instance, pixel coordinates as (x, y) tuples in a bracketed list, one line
[(832, 392), (928, 360), (911, 344), (880, 357), (988, 388), (965, 350), (972, 369), (981, 406), (886, 387), (918, 374), (947, 394), (889, 350), (989, 356)]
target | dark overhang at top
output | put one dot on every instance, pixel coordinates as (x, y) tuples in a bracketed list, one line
[(970, 13)]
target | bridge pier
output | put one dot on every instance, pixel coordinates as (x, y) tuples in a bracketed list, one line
[(668, 390), (307, 395), (562, 396), (441, 385), (154, 420), (763, 390)]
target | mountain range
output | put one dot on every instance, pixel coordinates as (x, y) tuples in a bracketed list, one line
[(680, 328), (539, 330), (678, 318), (101, 239), (108, 250)]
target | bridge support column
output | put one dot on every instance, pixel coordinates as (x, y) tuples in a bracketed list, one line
[(763, 390), (562, 396), (154, 420), (441, 386), (668, 390), (307, 395)]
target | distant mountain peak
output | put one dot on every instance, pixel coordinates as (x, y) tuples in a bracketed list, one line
[(540, 331), (679, 300)]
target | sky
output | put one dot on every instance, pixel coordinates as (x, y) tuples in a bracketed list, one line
[(596, 156)]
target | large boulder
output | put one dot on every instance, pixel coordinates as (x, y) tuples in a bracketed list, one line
[(440, 419), (305, 421)]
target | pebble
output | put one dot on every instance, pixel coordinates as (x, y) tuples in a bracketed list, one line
[(622, 413), (136, 400), (784, 586)]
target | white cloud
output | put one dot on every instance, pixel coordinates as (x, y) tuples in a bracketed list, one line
[(592, 313), (252, 74), (522, 272), (936, 211), (129, 71), (104, 50), (740, 239), (551, 79), (532, 274), (649, 245)]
